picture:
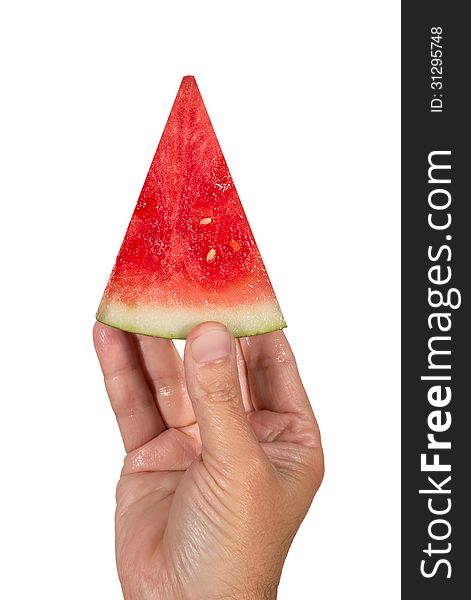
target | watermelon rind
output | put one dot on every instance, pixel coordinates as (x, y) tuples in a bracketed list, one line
[(176, 322)]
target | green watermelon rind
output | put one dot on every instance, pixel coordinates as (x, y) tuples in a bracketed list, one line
[(239, 334), (276, 322)]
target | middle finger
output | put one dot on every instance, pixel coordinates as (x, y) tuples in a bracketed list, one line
[(164, 370)]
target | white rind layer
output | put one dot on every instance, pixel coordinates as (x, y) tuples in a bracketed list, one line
[(176, 322)]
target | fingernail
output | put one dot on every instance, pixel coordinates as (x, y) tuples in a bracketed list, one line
[(211, 345)]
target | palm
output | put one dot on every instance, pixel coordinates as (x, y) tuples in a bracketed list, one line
[(161, 521)]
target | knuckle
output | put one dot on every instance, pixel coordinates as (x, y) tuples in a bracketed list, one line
[(219, 387), (171, 384)]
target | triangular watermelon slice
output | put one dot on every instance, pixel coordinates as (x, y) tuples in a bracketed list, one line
[(189, 254)]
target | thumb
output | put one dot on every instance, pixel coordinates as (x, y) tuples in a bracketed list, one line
[(213, 385)]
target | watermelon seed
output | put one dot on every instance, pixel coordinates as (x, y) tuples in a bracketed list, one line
[(211, 255), (234, 245), (205, 221)]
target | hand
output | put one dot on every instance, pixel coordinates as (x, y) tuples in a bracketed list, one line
[(223, 460)]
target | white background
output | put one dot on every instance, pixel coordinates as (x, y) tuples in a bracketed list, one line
[(304, 97)]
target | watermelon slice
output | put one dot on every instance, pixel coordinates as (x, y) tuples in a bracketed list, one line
[(189, 254)]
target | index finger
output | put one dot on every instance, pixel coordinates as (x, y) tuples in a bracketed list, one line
[(131, 399)]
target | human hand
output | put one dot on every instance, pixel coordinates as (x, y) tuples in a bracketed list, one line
[(223, 460)]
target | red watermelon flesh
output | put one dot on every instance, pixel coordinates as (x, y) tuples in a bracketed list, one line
[(189, 254)]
